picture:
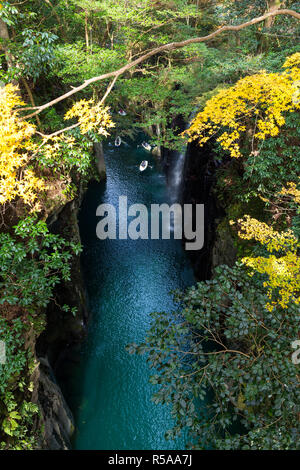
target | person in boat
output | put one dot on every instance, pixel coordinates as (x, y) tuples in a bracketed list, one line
[(146, 146), (143, 165), (118, 141)]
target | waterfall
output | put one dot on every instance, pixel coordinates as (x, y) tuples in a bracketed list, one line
[(175, 179), (175, 184), (176, 171)]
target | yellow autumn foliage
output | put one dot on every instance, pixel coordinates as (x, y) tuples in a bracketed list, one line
[(91, 116), (283, 272), (251, 228), (16, 179), (19, 151), (261, 99), (292, 192)]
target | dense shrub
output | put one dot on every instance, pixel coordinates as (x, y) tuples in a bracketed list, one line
[(224, 364)]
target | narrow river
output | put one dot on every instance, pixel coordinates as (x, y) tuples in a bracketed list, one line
[(108, 389)]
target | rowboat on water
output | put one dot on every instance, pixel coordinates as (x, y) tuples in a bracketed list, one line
[(146, 146), (118, 141), (143, 165)]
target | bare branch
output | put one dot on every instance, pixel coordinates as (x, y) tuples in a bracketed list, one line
[(109, 89), (65, 129)]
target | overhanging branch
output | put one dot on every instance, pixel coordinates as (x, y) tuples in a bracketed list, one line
[(166, 47)]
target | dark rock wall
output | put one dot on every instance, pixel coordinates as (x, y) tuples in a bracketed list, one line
[(56, 417), (199, 181), (200, 178), (62, 330)]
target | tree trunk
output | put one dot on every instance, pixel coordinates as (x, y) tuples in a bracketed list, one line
[(237, 39), (31, 99), (268, 23), (86, 29), (4, 35)]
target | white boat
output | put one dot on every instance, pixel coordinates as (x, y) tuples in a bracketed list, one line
[(143, 165), (146, 146), (118, 141)]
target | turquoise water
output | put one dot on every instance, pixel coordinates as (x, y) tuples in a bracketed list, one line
[(108, 389)]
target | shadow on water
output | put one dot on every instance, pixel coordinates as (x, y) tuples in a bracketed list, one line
[(107, 389)]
